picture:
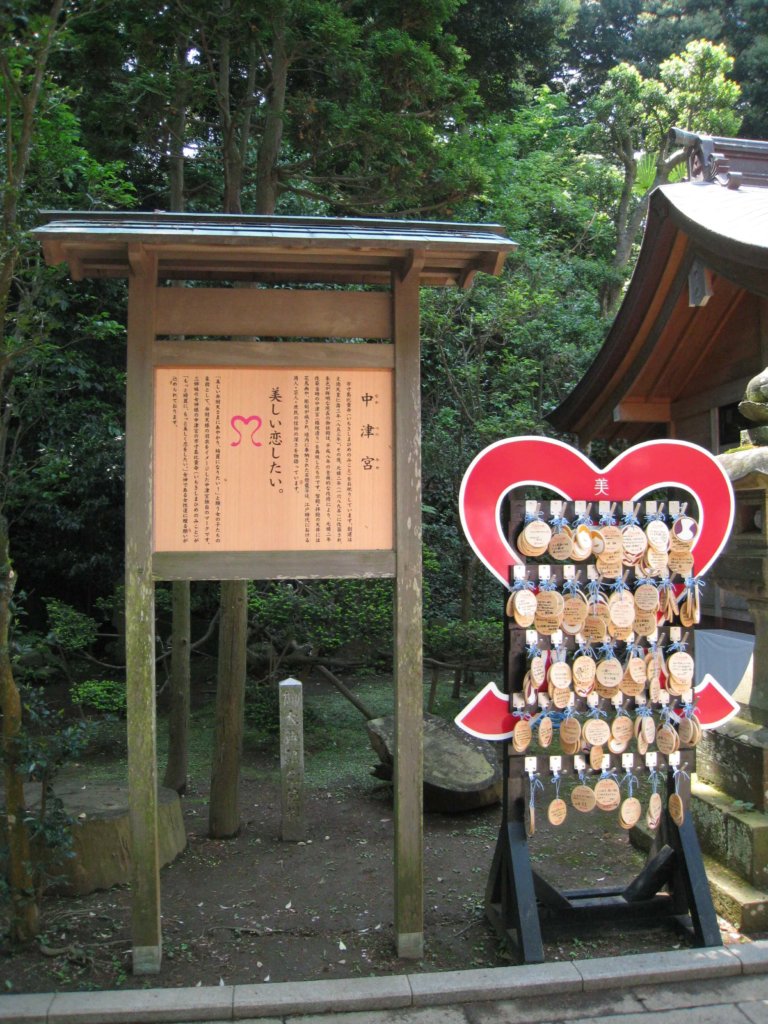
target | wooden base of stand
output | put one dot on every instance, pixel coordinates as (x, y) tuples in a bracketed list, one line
[(672, 889)]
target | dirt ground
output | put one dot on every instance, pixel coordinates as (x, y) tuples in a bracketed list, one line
[(254, 909)]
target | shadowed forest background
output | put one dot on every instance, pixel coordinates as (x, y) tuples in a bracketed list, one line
[(549, 117)]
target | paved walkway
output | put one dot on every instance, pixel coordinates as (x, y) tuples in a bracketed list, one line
[(704, 986)]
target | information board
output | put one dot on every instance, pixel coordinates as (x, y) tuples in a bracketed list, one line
[(272, 459)]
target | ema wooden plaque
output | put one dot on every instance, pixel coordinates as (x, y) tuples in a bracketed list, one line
[(272, 459)]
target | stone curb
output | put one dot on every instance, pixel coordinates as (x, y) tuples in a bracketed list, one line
[(341, 995), (493, 983), (235, 1002)]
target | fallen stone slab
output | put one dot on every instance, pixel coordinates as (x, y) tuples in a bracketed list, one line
[(460, 773)]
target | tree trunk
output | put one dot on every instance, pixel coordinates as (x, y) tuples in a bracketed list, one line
[(457, 677), (232, 163), (177, 768), (272, 137), (177, 125), (224, 817), (25, 917), (178, 720), (224, 809), (20, 126), (468, 568)]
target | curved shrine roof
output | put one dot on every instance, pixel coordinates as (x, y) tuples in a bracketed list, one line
[(658, 346)]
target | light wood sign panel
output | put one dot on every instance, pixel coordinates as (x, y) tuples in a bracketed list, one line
[(272, 459)]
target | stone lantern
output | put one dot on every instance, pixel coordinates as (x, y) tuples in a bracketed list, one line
[(735, 757), (743, 568)]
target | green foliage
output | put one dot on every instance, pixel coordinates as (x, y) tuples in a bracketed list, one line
[(645, 33), (62, 170), (692, 91), (631, 114), (49, 165), (646, 174), (262, 710), (42, 322), (513, 47), (474, 643), (106, 696), (65, 480), (70, 629), (47, 742), (325, 616), (701, 95), (49, 739), (373, 100), (497, 358)]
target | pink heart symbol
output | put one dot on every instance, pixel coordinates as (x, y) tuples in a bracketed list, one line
[(544, 462), (245, 420)]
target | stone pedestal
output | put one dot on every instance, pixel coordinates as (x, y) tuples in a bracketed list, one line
[(734, 759), (743, 570), (754, 690)]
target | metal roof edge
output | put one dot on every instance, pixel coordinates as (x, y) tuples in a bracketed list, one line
[(162, 218)]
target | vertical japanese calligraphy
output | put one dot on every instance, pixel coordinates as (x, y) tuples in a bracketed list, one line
[(272, 459)]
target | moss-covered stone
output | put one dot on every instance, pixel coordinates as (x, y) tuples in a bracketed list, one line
[(101, 833), (735, 835)]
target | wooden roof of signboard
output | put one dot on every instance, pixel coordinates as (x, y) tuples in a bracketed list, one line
[(272, 249), (703, 261)]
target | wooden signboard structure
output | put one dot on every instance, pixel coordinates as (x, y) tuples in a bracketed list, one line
[(249, 458)]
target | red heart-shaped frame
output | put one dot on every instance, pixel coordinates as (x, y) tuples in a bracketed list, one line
[(544, 462)]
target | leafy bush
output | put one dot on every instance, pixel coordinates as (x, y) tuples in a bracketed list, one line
[(47, 742), (477, 643), (262, 709), (70, 629), (106, 696), (325, 615)]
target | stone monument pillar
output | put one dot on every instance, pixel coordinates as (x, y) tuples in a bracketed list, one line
[(292, 825)]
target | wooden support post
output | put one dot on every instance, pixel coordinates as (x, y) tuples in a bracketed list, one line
[(689, 879), (291, 761), (140, 619), (510, 895), (408, 754)]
